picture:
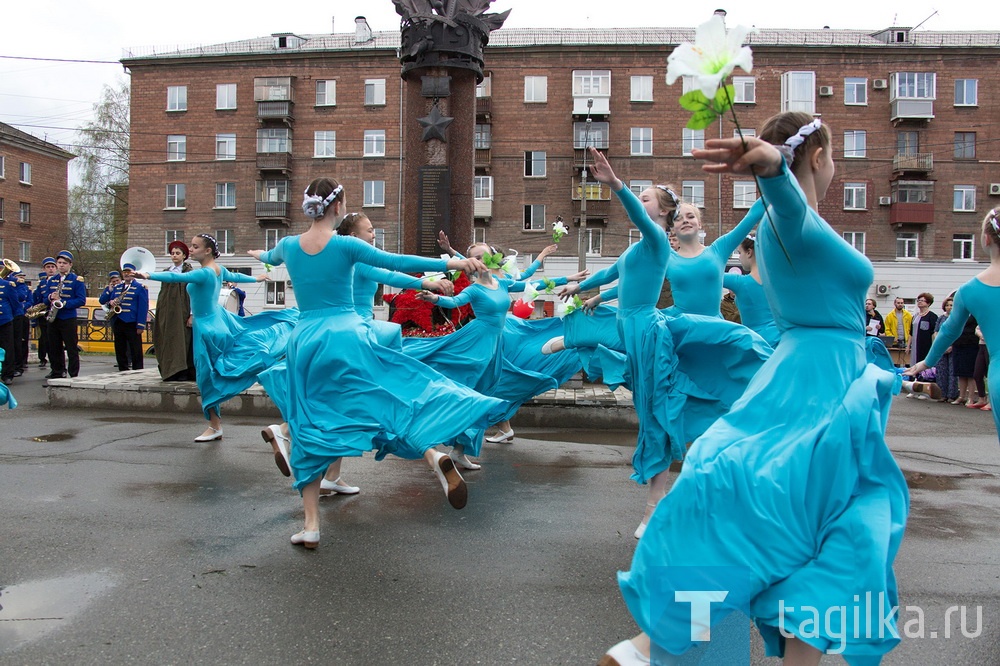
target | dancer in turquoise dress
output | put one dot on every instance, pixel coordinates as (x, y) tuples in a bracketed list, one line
[(229, 351), (6, 397), (979, 298), (750, 298), (346, 393), (792, 501)]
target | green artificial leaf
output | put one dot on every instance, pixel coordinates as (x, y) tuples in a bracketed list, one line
[(701, 119), (695, 100), (550, 286), (724, 99), (493, 261)]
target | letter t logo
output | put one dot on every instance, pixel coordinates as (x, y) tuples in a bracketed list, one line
[(701, 610)]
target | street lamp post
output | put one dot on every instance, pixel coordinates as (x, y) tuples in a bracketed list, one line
[(582, 246)]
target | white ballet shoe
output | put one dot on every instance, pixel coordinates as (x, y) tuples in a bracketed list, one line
[(462, 461), (307, 539), (639, 531), (547, 347), (451, 480), (501, 436), (337, 488), (216, 434), (623, 654), (281, 444)]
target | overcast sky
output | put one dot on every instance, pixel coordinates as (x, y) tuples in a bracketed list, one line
[(51, 99)]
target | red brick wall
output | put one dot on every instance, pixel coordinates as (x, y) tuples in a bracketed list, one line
[(47, 195)]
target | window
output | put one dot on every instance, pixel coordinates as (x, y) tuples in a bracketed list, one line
[(227, 241), (592, 83), (275, 293), (594, 238), (798, 92), (485, 87), (225, 195), (914, 85), (965, 198), (962, 246), (225, 96), (1, 216), (534, 164), (274, 140), (534, 217), (478, 234), (169, 236), (642, 140), (374, 193), (25, 251), (272, 89), (536, 88), (482, 187), (965, 145), (326, 92), (747, 132), (744, 193), (24, 213), (855, 196), (642, 88), (594, 190), (691, 139), (271, 238), (855, 143), (634, 236), (687, 84), (913, 191), (374, 143), (225, 146), (3, 171), (855, 91), (176, 195), (483, 137), (855, 239), (274, 191), (379, 240), (24, 174), (906, 245), (374, 92), (639, 186), (693, 192), (177, 98), (907, 143), (176, 148), (324, 143), (590, 134), (746, 89), (966, 92)]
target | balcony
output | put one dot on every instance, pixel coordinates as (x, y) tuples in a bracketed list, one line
[(597, 209), (272, 211), (482, 158), (912, 109), (275, 110), (274, 162), (911, 213), (484, 106), (482, 208), (581, 156), (923, 162)]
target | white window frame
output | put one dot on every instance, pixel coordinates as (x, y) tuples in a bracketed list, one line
[(595, 134), (914, 85), (374, 194), (594, 233), (1, 216), (746, 89), (482, 138), (3, 168), (963, 98), (744, 193), (272, 237), (374, 92), (176, 148), (482, 187), (478, 234), (485, 87), (639, 186), (592, 83), (642, 88), (634, 236), (693, 192), (326, 92), (379, 240), (24, 173), (225, 96), (169, 236), (274, 295), (177, 98), (225, 146), (226, 193), (855, 239), (534, 217), (535, 164), (324, 143), (691, 139), (855, 196), (24, 251), (748, 132), (374, 143), (853, 85), (909, 239), (536, 89), (24, 212), (273, 190), (176, 192), (963, 145), (274, 140), (855, 144), (967, 204), (642, 141), (226, 239), (798, 91), (963, 245)]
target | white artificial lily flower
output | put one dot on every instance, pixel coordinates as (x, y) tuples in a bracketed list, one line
[(713, 56), (530, 293)]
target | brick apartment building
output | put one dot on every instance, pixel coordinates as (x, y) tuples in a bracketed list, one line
[(226, 137), (33, 198)]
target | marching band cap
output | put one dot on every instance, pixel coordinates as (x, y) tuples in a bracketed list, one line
[(114, 274), (48, 260), (128, 267), (66, 254), (181, 245), (42, 274)]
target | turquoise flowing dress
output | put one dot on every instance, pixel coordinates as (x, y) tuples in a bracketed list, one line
[(755, 313), (6, 397), (975, 297), (346, 394), (229, 351), (792, 501)]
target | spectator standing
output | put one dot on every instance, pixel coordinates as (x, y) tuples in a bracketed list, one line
[(922, 332), (979, 374), (897, 326), (945, 375), (874, 322)]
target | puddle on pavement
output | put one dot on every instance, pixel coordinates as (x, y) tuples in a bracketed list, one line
[(922, 481), (612, 437), (30, 611), (162, 489), (54, 437)]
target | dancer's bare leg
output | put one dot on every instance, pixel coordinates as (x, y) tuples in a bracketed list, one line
[(799, 653)]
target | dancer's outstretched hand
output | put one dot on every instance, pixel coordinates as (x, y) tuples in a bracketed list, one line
[(576, 277), (551, 249), (601, 169), (591, 303), (915, 370), (425, 295), (445, 287), (738, 156), (467, 265), (255, 254), (568, 291), (445, 243), (263, 277)]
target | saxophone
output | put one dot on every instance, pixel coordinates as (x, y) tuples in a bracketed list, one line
[(57, 304)]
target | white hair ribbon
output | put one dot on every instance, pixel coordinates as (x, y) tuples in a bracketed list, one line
[(791, 143), (314, 207)]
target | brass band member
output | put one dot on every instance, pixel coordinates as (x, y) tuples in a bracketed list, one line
[(67, 292), (129, 303)]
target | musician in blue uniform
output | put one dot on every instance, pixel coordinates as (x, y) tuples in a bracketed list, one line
[(7, 307), (41, 295), (22, 328), (241, 295), (70, 290), (128, 325)]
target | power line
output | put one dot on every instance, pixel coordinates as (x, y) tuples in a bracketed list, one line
[(89, 62)]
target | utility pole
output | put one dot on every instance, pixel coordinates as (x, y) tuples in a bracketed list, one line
[(582, 246)]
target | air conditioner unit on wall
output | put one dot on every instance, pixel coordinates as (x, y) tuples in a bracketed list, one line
[(884, 201), (883, 289), (880, 84), (825, 91), (994, 189)]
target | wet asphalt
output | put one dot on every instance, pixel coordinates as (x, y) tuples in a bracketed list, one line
[(124, 542)]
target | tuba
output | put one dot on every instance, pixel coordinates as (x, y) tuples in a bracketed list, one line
[(141, 258), (9, 267)]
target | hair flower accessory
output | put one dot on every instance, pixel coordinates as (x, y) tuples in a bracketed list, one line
[(493, 260), (558, 231)]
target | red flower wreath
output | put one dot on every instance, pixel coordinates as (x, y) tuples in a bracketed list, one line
[(421, 319)]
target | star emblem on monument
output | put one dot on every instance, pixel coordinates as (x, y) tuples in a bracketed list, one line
[(435, 124)]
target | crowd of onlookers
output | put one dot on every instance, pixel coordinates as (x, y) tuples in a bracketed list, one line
[(961, 372)]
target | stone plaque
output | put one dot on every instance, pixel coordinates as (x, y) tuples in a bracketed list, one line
[(433, 208)]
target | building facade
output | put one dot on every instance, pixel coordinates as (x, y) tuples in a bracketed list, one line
[(33, 198), (226, 137)]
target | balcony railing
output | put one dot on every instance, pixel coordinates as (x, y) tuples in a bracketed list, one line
[(484, 106), (272, 210), (912, 109), (275, 110), (913, 162), (482, 208), (482, 157), (596, 209), (911, 213), (274, 161)]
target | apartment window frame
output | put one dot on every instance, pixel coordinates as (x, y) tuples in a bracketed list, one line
[(226, 238), (744, 193), (3, 167), (691, 139), (482, 188), (272, 89), (693, 192), (177, 194), (964, 89), (324, 144), (914, 85), (593, 134), (855, 196), (964, 148), (225, 193), (374, 92), (482, 138), (963, 247), (534, 217), (272, 190), (746, 132), (742, 86), (24, 212), (374, 194), (855, 144), (591, 83), (24, 251), (485, 87), (641, 88), (478, 234), (379, 240), (536, 89), (176, 148), (967, 203), (274, 140), (24, 173), (639, 186), (225, 96), (798, 91), (634, 236), (855, 87), (593, 234), (853, 237), (176, 98), (274, 293), (225, 146), (272, 237), (374, 143), (169, 236), (535, 164), (1, 216), (907, 246), (326, 92), (641, 145)]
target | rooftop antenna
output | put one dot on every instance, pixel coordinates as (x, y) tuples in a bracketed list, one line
[(925, 20)]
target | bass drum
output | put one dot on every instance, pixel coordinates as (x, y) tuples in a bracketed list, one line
[(229, 301)]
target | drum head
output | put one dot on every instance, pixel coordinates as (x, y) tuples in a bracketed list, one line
[(229, 301)]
